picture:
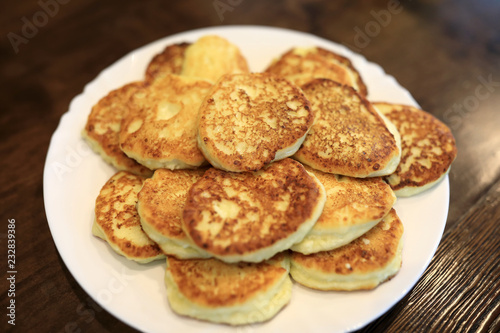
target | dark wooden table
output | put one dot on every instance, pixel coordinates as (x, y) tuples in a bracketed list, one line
[(446, 53)]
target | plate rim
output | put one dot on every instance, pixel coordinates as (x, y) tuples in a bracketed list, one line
[(66, 117)]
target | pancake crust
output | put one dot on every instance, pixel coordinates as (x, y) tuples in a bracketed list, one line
[(353, 206), (428, 149), (210, 57), (250, 120), (117, 222), (169, 61), (103, 126), (160, 129), (348, 137), (301, 65), (252, 216), (160, 205), (235, 294), (362, 264)]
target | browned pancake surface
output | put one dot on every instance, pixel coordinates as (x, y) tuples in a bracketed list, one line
[(160, 128), (248, 120), (351, 201), (212, 56), (162, 199), (303, 65), (169, 61), (116, 215), (368, 253), (213, 283), (348, 136), (428, 146), (103, 127), (240, 213)]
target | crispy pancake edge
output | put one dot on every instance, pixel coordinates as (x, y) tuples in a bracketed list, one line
[(369, 163), (110, 194), (357, 265), (150, 140), (170, 60), (408, 185), (157, 212), (108, 112), (207, 297), (261, 248), (286, 138), (330, 232)]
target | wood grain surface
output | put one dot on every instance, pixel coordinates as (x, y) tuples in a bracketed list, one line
[(446, 53)]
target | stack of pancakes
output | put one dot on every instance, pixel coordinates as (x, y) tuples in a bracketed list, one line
[(244, 179)]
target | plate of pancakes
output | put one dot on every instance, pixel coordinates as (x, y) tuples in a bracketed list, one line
[(246, 178)]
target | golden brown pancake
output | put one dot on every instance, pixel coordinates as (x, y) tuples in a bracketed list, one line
[(103, 126), (251, 216), (236, 294), (348, 137), (353, 206), (159, 130), (301, 65), (117, 222), (362, 264), (250, 120), (428, 149), (210, 57), (169, 61), (160, 205)]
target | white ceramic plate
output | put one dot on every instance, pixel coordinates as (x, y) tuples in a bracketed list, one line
[(136, 293)]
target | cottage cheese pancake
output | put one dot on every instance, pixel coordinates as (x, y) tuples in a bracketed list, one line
[(349, 137), (250, 120), (160, 205), (103, 126), (235, 294), (353, 206), (428, 149), (210, 57), (362, 264), (117, 222), (251, 216), (159, 130), (169, 61), (301, 65)]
